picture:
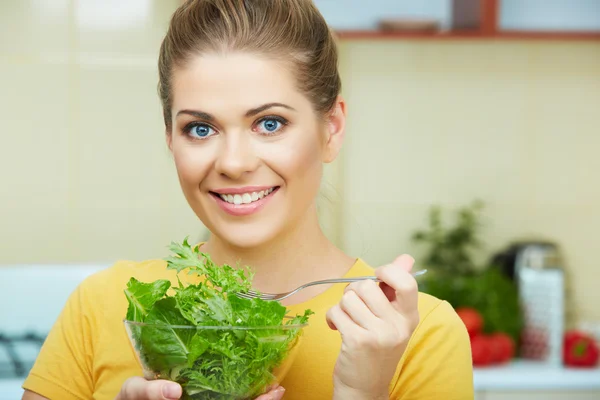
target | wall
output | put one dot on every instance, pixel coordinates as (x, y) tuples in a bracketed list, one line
[(513, 123), (86, 176)]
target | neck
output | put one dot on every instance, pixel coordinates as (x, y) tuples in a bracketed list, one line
[(299, 255)]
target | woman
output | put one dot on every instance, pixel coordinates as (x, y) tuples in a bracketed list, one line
[(252, 109)]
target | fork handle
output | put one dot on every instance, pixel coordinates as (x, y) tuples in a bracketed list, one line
[(344, 280), (355, 279)]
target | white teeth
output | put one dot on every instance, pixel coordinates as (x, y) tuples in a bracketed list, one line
[(245, 198)]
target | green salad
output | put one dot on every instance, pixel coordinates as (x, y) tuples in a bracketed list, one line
[(234, 358)]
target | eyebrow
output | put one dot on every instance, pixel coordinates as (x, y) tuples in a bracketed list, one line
[(197, 114), (250, 113), (254, 111)]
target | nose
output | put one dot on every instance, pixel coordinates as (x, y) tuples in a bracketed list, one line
[(236, 156)]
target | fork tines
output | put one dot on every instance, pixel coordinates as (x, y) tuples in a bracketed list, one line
[(251, 294)]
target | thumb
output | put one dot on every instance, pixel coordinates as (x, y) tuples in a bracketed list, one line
[(138, 388), (275, 394)]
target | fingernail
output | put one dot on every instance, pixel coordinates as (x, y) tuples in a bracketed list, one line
[(171, 391), (278, 393)]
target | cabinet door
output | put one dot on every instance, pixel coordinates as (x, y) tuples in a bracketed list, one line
[(542, 395)]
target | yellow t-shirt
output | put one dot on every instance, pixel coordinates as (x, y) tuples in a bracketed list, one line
[(87, 354)]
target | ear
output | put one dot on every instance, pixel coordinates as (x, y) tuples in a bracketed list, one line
[(336, 130)]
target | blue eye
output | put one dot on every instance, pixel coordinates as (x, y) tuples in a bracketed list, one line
[(271, 125), (200, 131)]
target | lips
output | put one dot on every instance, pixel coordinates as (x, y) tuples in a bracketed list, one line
[(244, 201)]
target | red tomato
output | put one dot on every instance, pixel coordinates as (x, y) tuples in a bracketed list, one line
[(472, 320), (580, 350), (481, 351), (502, 347)]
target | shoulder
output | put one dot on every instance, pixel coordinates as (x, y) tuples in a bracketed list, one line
[(101, 298), (125, 269), (433, 310), (88, 335), (103, 286), (122, 271)]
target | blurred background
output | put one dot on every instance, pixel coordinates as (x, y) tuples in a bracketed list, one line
[(472, 143)]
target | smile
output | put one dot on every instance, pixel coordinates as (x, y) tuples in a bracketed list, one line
[(245, 198), (244, 201)]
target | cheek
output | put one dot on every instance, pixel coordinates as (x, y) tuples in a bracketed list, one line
[(191, 163), (299, 163)]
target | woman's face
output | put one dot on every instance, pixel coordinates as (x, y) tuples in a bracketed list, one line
[(248, 146)]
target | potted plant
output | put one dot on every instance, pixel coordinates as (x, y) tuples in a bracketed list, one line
[(455, 277)]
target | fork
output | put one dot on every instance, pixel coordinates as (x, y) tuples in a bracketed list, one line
[(251, 294)]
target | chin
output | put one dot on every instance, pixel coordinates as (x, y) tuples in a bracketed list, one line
[(245, 236), (244, 232)]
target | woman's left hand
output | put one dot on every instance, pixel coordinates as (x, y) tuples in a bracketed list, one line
[(275, 393), (376, 323)]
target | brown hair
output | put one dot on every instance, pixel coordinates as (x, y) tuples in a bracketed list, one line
[(293, 30)]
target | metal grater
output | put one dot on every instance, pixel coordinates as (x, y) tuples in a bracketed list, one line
[(542, 296)]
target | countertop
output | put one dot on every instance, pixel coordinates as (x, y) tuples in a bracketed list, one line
[(516, 376), (531, 375)]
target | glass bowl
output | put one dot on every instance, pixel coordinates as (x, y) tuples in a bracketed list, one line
[(216, 362)]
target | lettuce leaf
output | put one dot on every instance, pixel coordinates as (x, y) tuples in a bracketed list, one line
[(142, 296), (219, 362), (223, 278), (165, 348)]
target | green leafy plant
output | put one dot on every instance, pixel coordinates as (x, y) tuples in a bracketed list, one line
[(456, 278), (209, 363), (450, 249)]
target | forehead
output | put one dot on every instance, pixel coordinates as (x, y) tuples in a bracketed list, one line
[(234, 79)]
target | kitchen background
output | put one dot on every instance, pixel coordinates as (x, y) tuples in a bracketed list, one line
[(507, 112)]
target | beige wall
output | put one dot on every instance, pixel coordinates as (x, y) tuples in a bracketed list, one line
[(86, 175), (85, 171), (516, 124)]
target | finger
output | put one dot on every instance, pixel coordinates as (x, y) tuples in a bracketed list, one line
[(356, 309), (405, 261), (372, 295), (399, 286), (275, 394), (138, 388), (394, 273), (339, 320)]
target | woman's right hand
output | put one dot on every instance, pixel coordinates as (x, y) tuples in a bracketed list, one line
[(137, 388)]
